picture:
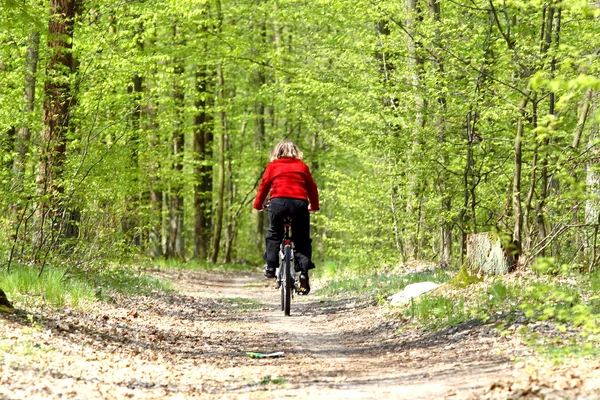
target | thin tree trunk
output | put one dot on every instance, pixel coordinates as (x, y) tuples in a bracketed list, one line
[(417, 66), (203, 136), (592, 181), (470, 123), (585, 108), (56, 116), (232, 218), (516, 187), (259, 137), (445, 249), (221, 178), (155, 231), (528, 241), (552, 27), (592, 205), (7, 144), (131, 221), (156, 194), (24, 134), (176, 244)]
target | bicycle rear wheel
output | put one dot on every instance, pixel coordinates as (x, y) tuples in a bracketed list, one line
[(287, 281), (282, 284)]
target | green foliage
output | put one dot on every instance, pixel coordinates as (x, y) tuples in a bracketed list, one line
[(127, 280), (408, 125), (569, 305), (52, 287), (58, 287), (378, 286), (562, 303), (436, 311), (550, 266), (462, 279)]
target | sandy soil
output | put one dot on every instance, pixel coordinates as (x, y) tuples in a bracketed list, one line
[(193, 344)]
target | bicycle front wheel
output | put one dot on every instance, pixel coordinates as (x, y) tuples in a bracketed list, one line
[(288, 281)]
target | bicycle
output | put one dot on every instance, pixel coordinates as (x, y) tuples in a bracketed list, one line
[(285, 274)]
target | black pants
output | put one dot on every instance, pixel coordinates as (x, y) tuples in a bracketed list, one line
[(279, 208)]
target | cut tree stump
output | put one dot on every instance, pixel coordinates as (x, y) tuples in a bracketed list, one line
[(487, 255)]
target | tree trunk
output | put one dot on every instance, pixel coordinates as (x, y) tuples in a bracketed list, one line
[(486, 255), (527, 228), (24, 134), (232, 218), (57, 102), (7, 144), (592, 204), (176, 246), (131, 221), (203, 137), (470, 123), (517, 235), (516, 187), (155, 233), (221, 179), (552, 27), (443, 187), (259, 137), (155, 240), (416, 64)]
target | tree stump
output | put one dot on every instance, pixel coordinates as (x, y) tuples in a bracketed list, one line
[(488, 255)]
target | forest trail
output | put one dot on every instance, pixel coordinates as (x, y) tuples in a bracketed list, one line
[(192, 344), (340, 350)]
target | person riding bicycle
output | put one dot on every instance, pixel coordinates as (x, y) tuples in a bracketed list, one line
[(291, 188)]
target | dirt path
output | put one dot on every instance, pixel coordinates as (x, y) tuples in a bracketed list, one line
[(341, 350), (192, 344)]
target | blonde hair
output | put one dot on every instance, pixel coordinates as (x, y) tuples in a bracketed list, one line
[(286, 149)]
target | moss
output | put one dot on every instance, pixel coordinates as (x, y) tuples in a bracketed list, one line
[(463, 279)]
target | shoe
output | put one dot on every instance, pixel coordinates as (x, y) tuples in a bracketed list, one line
[(304, 284), (269, 272)]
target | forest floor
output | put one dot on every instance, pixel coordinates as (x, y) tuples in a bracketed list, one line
[(192, 344)]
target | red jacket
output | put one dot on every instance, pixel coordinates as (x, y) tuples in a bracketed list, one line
[(287, 177)]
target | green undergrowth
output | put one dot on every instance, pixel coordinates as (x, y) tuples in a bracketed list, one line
[(448, 307), (556, 309), (60, 286), (378, 286), (54, 287), (462, 279), (128, 281)]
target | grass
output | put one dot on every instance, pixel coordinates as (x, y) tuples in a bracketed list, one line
[(438, 311), (241, 304), (129, 281), (568, 305), (270, 380), (57, 286), (195, 265), (567, 300), (53, 286), (379, 286)]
